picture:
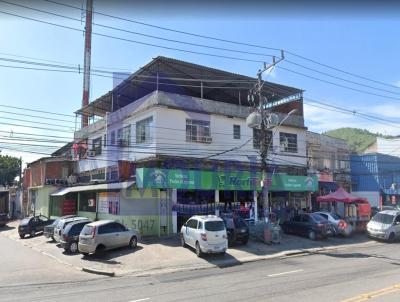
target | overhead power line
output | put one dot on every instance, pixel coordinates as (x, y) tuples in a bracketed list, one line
[(228, 41), (218, 48)]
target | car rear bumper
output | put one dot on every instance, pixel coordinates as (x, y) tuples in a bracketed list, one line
[(86, 248), (214, 248)]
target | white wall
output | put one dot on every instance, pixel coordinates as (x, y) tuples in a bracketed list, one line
[(388, 146), (373, 197)]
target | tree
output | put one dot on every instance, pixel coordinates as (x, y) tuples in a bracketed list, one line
[(9, 169)]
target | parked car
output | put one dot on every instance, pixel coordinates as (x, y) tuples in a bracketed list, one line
[(312, 226), (3, 219), (58, 229), (236, 228), (206, 234), (48, 231), (340, 226), (103, 235), (385, 225), (32, 225), (70, 236)]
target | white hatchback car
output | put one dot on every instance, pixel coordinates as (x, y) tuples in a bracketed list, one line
[(385, 225), (206, 234)]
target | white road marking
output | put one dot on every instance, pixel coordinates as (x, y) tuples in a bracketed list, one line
[(285, 273), (140, 300)]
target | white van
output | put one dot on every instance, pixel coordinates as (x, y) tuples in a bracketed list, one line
[(385, 225), (206, 234)]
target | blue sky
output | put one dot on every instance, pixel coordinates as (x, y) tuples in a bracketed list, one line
[(366, 44)]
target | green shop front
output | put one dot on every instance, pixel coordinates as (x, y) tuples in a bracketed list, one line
[(197, 192)]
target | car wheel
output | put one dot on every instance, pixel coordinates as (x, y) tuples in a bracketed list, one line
[(199, 253), (312, 235), (73, 248), (133, 242), (22, 236), (391, 237), (100, 249), (222, 253), (85, 254), (183, 243), (32, 233)]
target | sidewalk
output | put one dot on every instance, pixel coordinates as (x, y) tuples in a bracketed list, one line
[(155, 256)]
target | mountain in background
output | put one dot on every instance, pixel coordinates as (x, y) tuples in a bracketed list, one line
[(358, 139)]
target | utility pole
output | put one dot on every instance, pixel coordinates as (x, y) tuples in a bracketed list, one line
[(87, 59), (265, 113)]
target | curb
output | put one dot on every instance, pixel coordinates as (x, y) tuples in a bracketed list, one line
[(98, 272)]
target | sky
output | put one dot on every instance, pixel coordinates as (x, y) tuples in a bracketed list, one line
[(361, 40)]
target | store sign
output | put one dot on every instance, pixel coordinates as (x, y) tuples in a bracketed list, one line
[(191, 179), (294, 183), (220, 180)]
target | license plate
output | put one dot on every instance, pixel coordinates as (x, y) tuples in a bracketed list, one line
[(216, 247)]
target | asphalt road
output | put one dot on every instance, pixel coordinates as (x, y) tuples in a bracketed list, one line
[(330, 276)]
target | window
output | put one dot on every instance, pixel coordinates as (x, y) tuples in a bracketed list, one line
[(214, 226), (96, 146), (198, 131), (288, 142), (200, 226), (192, 223), (124, 136), (87, 202), (236, 131), (257, 139), (112, 138), (105, 140), (143, 130)]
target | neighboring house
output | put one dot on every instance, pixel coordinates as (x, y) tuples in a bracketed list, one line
[(388, 146), (376, 176), (171, 141), (41, 178), (329, 159)]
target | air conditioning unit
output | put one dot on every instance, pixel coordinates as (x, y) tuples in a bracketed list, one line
[(91, 153)]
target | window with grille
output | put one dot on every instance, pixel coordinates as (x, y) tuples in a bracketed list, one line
[(96, 146), (124, 136), (236, 131), (198, 131), (257, 139), (288, 142), (144, 130), (112, 138)]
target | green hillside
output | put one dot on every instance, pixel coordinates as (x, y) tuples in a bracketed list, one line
[(358, 139)]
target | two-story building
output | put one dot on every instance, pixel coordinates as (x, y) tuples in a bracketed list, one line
[(172, 141)]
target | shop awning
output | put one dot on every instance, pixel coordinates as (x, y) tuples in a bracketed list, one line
[(340, 195), (99, 187)]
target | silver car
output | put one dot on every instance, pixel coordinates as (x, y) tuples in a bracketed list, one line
[(385, 225), (58, 229), (104, 235)]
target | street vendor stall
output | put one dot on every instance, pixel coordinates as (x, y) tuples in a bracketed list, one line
[(355, 210)]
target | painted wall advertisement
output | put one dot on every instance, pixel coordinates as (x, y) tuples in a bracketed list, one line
[(109, 203)]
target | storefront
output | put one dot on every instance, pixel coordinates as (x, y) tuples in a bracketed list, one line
[(197, 192)]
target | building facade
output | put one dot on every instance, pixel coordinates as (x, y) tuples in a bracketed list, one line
[(170, 142)]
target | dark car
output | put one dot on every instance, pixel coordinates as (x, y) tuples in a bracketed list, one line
[(32, 225), (3, 219), (70, 236), (312, 226), (236, 228), (48, 231)]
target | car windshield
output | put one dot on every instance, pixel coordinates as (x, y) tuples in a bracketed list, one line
[(383, 218), (318, 218), (25, 220), (214, 226), (87, 230)]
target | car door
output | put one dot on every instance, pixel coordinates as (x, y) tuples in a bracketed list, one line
[(124, 234), (42, 222), (305, 224), (397, 226), (191, 228), (104, 236), (295, 225)]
